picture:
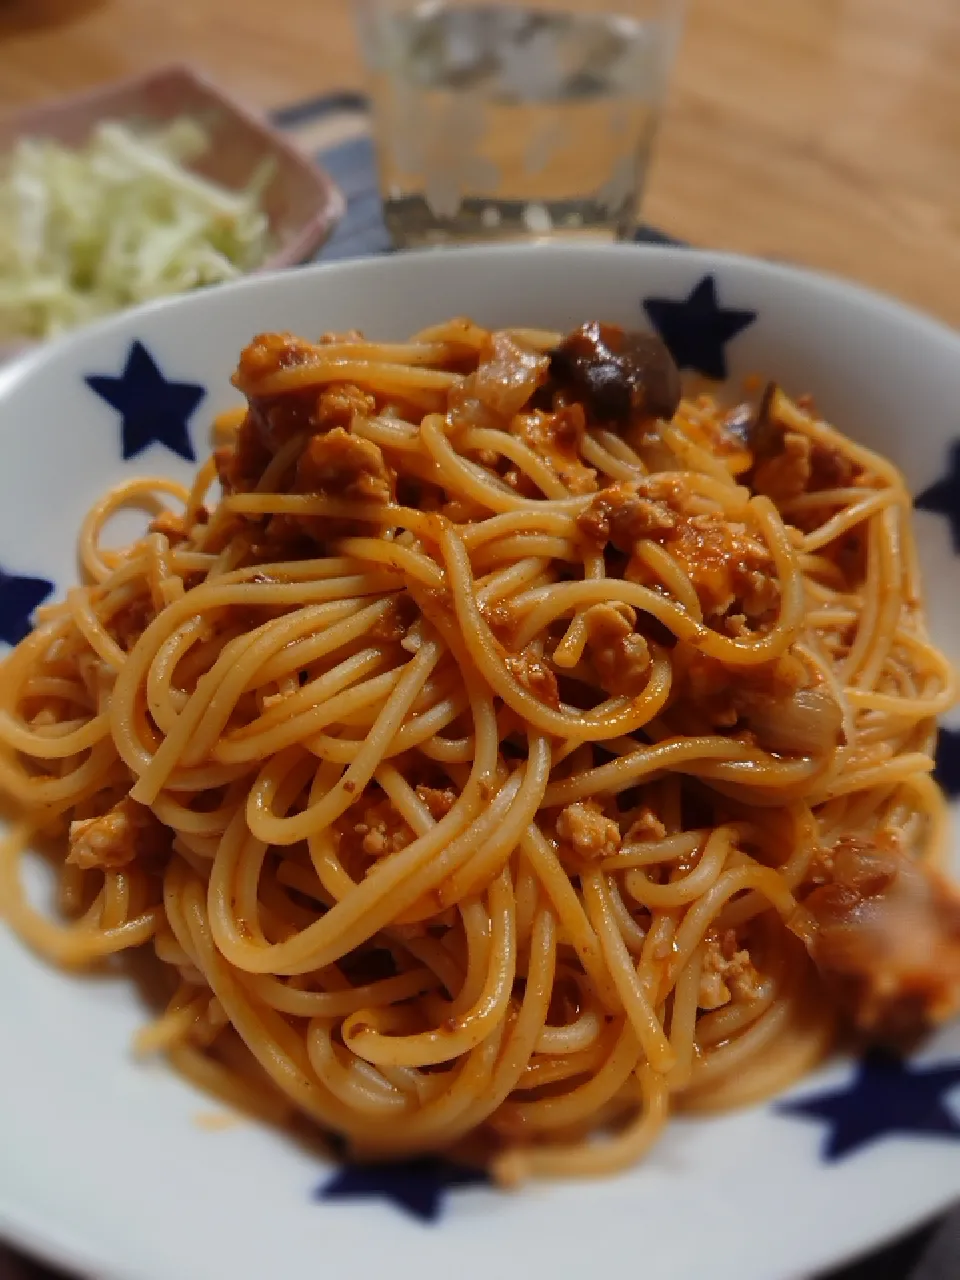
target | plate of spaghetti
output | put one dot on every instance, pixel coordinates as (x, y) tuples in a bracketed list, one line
[(475, 764)]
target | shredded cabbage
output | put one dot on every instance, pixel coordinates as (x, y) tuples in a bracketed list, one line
[(122, 220)]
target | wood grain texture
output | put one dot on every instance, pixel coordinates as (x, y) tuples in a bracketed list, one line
[(823, 132)]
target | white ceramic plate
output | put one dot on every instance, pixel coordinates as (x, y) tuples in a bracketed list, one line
[(103, 1165)]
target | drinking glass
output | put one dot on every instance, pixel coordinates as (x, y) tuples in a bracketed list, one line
[(515, 120)]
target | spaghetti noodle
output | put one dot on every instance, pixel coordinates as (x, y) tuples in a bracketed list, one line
[(515, 751)]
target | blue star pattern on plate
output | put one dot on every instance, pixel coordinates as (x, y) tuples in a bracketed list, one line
[(18, 599), (947, 772), (418, 1187), (943, 496), (697, 329), (152, 409), (887, 1096)]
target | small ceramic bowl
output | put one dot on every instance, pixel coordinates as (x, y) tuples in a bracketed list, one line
[(302, 202)]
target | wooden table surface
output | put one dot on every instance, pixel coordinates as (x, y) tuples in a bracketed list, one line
[(825, 132)]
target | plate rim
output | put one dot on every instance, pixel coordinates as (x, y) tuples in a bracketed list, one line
[(833, 286)]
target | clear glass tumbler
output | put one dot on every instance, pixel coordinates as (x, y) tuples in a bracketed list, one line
[(515, 120)]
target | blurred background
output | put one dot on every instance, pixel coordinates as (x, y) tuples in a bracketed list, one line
[(824, 132)]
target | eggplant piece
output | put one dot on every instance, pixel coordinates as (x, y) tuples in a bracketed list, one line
[(620, 375), (765, 435)]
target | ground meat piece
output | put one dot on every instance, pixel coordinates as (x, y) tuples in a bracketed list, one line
[(727, 566), (275, 699), (438, 801), (621, 657), (620, 375), (281, 418), (645, 826), (726, 973), (267, 353), (833, 469), (127, 832), (594, 524), (501, 618), (555, 438), (786, 474), (529, 669), (586, 831), (340, 465), (621, 515), (275, 419), (340, 403), (376, 841), (885, 936), (380, 831)]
